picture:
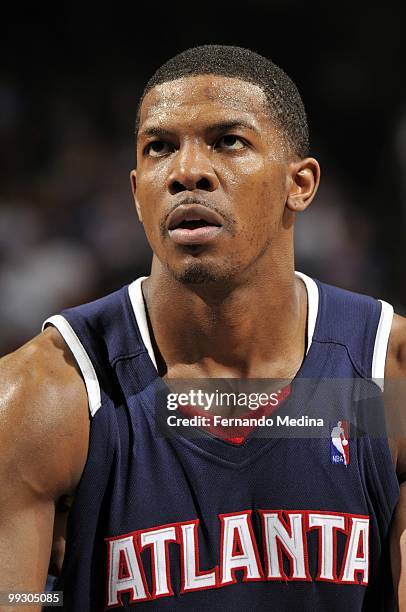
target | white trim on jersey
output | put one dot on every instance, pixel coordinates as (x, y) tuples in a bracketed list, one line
[(312, 306), (82, 359), (137, 302), (381, 344)]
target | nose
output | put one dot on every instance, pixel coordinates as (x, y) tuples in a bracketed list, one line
[(192, 169)]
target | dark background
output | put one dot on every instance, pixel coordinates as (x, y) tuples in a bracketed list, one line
[(68, 94)]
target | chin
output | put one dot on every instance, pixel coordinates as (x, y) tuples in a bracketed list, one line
[(204, 269), (196, 273)]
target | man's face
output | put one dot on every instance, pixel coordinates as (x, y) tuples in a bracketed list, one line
[(211, 179)]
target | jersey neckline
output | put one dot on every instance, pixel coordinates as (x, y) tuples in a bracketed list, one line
[(140, 314), (205, 442)]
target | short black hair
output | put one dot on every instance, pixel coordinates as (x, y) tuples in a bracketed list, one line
[(285, 104)]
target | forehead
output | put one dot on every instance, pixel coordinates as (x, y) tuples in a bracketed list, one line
[(203, 95)]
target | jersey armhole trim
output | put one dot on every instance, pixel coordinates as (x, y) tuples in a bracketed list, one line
[(138, 306), (82, 359), (312, 306), (381, 344)]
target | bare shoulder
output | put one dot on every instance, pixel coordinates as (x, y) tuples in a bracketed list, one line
[(396, 357), (44, 424)]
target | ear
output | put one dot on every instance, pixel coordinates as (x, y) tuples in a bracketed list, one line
[(133, 180), (304, 181)]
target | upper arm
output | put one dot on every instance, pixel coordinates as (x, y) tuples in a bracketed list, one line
[(395, 409), (395, 393), (44, 430)]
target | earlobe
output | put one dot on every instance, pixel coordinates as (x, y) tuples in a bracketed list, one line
[(304, 181), (133, 180)]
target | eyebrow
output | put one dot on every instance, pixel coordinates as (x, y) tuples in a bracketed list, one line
[(224, 126), (154, 130), (221, 126)]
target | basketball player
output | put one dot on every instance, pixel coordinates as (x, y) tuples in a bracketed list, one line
[(177, 523)]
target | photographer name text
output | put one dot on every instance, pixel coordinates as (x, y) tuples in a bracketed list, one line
[(262, 421)]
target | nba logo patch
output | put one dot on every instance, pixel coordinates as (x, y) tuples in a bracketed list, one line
[(340, 443)]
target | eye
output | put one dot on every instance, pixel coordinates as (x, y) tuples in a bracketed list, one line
[(234, 143), (157, 148)]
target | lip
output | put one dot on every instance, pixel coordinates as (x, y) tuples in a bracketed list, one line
[(193, 212), (198, 235)]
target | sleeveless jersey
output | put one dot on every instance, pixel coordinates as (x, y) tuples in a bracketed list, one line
[(280, 522)]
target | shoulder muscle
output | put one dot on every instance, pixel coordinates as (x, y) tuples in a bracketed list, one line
[(396, 357)]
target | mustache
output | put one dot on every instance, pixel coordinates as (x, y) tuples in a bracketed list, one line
[(229, 221)]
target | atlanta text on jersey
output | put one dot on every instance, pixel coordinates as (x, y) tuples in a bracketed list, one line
[(284, 535)]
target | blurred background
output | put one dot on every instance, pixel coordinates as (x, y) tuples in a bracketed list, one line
[(68, 95)]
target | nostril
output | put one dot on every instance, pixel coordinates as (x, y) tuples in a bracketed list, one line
[(203, 183), (190, 184), (177, 187)]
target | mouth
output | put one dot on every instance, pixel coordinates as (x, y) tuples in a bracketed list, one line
[(191, 225)]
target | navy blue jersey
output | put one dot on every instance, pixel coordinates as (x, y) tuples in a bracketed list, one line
[(276, 522)]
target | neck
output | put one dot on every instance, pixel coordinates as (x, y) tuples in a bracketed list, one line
[(254, 328)]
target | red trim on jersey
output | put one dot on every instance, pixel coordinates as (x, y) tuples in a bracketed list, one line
[(346, 448), (360, 548), (237, 545), (234, 434), (123, 569)]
